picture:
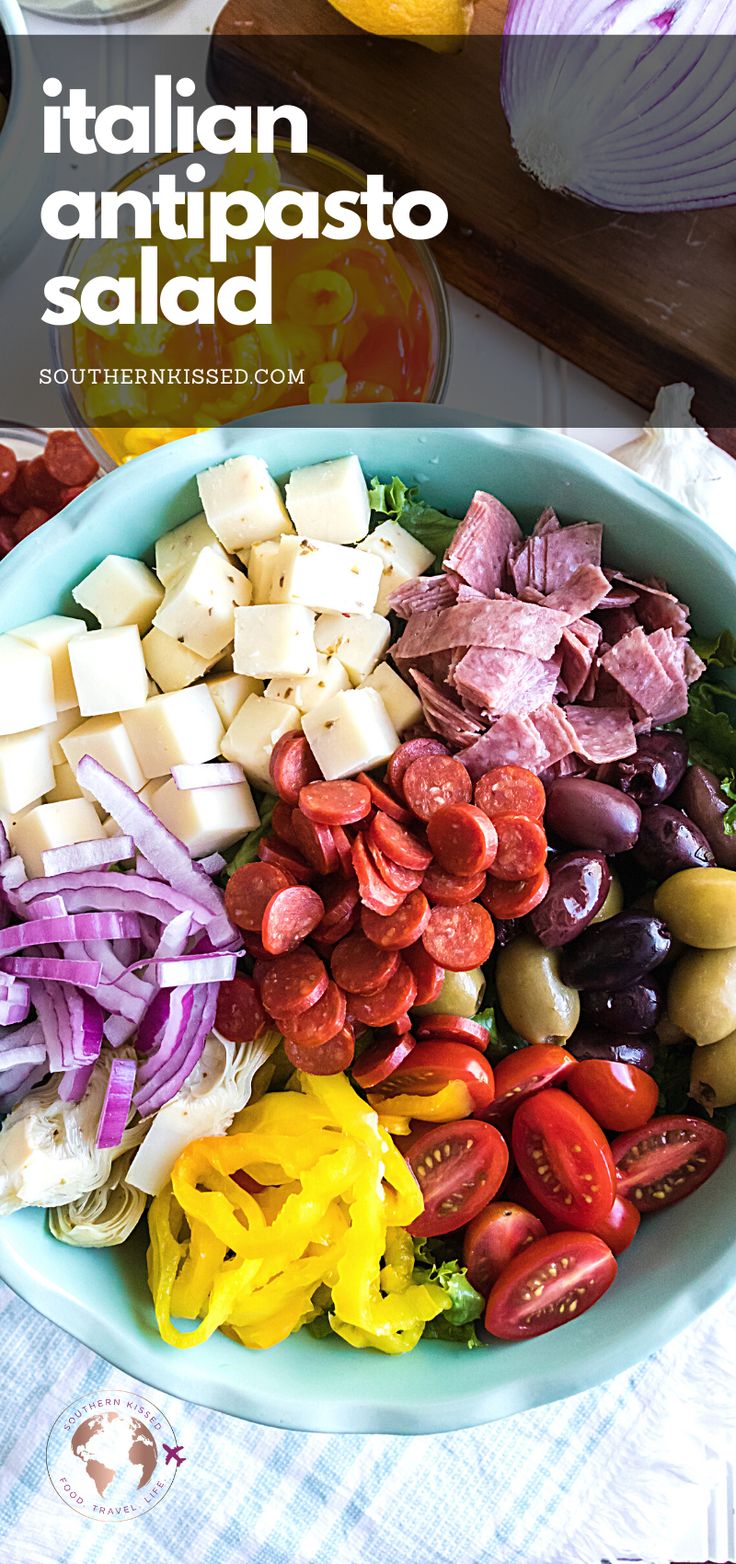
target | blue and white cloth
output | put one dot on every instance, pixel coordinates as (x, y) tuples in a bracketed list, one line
[(608, 1475)]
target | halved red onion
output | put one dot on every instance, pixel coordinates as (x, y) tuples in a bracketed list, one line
[(87, 855), (214, 773), (116, 1104)]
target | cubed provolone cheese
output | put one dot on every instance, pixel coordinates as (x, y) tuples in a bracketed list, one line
[(65, 785), (109, 671), (359, 640), (120, 591), (327, 577), (54, 825), (55, 732), (26, 686), (242, 503), (52, 636), (182, 728), (177, 550), (350, 733), (317, 687), (274, 639), (229, 690), (199, 606), (261, 565), (170, 664), (401, 701), (207, 819), (329, 501), (149, 793), (26, 772), (106, 740), (251, 737), (402, 558)]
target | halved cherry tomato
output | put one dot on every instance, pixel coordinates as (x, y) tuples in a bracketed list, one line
[(458, 1171), (619, 1096), (617, 1229), (666, 1160), (381, 1060), (524, 1072), (564, 1158), (460, 1074), (514, 898), (550, 1283), (494, 1238)]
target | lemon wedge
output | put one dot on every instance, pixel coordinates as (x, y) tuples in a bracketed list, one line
[(439, 24)]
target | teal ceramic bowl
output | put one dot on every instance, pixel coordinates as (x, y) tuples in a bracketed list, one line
[(682, 1259)]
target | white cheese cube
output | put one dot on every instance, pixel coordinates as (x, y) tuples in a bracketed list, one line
[(403, 558), (106, 740), (170, 664), (177, 550), (359, 640), (251, 737), (352, 732), (55, 731), (261, 564), (148, 793), (272, 639), (328, 577), (109, 671), (120, 591), (52, 636), (329, 501), (242, 503), (54, 825), (199, 605), (26, 772), (26, 686), (311, 691), (207, 819), (401, 701), (65, 785), (182, 728), (229, 690)]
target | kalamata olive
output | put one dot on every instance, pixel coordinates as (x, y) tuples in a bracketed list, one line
[(534, 1000), (668, 841), (653, 773), (635, 1009), (617, 953), (587, 1043), (702, 798), (507, 930), (713, 1074), (578, 886), (592, 814), (613, 903), (699, 907), (701, 997)]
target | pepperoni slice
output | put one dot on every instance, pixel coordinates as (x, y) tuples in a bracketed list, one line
[(396, 877), (285, 857), (382, 799), (374, 892), (29, 521), (435, 780), (335, 803), (340, 897), (514, 898), (315, 842), (391, 838), (428, 974), (462, 838), (42, 488), (325, 943), (240, 1015), (281, 822), (522, 848), (380, 1061), (329, 1058), (254, 946), (360, 967), (456, 1029), (294, 984), (68, 459), (413, 749), (16, 498), (321, 1021), (451, 890), (8, 467), (343, 848), (459, 937), (248, 892), (292, 766), (393, 1001), (399, 929), (290, 916), (396, 1028), (510, 790)]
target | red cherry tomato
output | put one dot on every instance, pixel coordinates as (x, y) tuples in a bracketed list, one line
[(458, 1171), (494, 1238), (666, 1160), (514, 898), (564, 1158), (550, 1283), (526, 1071), (619, 1096), (433, 1066), (617, 1229)]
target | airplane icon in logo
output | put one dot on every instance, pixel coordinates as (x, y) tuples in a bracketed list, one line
[(172, 1454)]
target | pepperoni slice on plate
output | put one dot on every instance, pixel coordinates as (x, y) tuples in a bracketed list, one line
[(343, 848), (511, 790), (323, 1020), (428, 974), (395, 1028), (290, 916), (248, 892), (413, 749), (392, 1002), (514, 898), (396, 877), (457, 1029), (29, 521), (381, 1059), (459, 937), (42, 488), (335, 803), (462, 838), (392, 839), (360, 967), (294, 984), (341, 897), (329, 1058), (374, 892), (68, 459), (315, 842), (240, 1015), (292, 766), (451, 890), (522, 848), (285, 857), (281, 822), (435, 780), (253, 945), (399, 929), (8, 467), (381, 798)]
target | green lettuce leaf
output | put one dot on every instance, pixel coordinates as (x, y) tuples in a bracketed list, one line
[(728, 786), (710, 733), (465, 1306), (502, 1039), (428, 525), (247, 852), (387, 498), (719, 651)]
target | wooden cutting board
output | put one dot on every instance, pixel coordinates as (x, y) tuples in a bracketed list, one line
[(637, 301)]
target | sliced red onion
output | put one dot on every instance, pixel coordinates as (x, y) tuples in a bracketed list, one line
[(116, 1104), (12, 873), (117, 892), (185, 1056), (13, 1011), (195, 969), (57, 931), (87, 855), (25, 1046), (71, 1023), (13, 988), (145, 869), (173, 941), (162, 1030), (4, 844), (73, 1083), (17, 1083), (118, 1030), (85, 974), (215, 773)]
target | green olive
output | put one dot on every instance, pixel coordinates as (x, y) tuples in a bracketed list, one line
[(713, 1075), (613, 903), (534, 999), (699, 907), (702, 994), (461, 994)]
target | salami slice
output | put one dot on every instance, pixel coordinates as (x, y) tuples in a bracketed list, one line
[(462, 838), (374, 892), (240, 1016), (329, 1058), (456, 1029), (393, 1001), (323, 1020), (272, 850), (360, 967), (522, 848), (289, 917), (315, 842), (433, 781), (428, 974), (459, 938), (292, 766), (293, 985), (380, 1061), (381, 798), (510, 790), (68, 460), (443, 889), (402, 758), (249, 891), (396, 877), (335, 803), (8, 467), (392, 839), (401, 928)]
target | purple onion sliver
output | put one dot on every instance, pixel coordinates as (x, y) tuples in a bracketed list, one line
[(213, 864), (185, 1003), (118, 1029), (13, 1012), (110, 891), (189, 1051), (173, 941), (209, 774), (16, 1083), (116, 1105), (74, 1083), (87, 855), (85, 925), (195, 969), (83, 974), (153, 1025), (4, 844)]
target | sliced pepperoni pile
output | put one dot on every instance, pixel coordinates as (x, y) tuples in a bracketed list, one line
[(366, 892), (32, 491)]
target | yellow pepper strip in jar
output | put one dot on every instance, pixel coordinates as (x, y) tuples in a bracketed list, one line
[(320, 298)]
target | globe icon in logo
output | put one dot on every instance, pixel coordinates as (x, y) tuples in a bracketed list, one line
[(112, 1457), (118, 1452)]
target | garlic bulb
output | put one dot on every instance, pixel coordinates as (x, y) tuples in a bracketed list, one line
[(103, 1217), (675, 454)]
